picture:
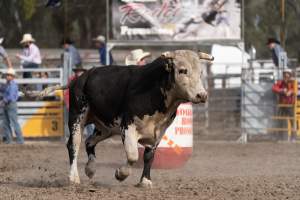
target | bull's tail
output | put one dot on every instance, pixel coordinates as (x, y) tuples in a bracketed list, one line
[(51, 89)]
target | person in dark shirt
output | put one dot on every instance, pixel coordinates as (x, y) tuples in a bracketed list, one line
[(101, 46), (69, 47), (274, 46)]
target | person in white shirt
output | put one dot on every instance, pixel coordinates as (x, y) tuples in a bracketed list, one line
[(31, 56), (4, 55)]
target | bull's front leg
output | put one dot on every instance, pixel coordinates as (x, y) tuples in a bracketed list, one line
[(130, 141), (148, 160)]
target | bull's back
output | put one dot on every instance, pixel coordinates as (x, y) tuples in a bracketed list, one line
[(105, 90)]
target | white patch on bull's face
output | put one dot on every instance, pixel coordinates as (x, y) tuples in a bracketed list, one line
[(188, 72)]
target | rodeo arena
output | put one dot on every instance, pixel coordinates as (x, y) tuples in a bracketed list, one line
[(167, 86)]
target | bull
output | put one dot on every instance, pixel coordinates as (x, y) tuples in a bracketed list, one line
[(137, 103)]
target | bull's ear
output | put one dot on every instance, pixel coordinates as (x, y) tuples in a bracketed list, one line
[(168, 54), (169, 65), (205, 56)]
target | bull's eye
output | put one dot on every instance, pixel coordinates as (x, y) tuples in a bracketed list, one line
[(182, 71)]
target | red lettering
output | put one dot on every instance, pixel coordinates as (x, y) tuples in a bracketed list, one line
[(183, 130), (184, 112), (187, 121)]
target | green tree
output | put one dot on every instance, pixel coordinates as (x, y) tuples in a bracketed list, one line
[(263, 20)]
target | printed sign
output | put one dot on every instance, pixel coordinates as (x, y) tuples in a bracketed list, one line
[(176, 20), (180, 132)]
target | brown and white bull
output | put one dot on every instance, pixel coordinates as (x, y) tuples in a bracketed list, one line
[(137, 103)]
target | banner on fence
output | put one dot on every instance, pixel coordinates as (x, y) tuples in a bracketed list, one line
[(176, 20)]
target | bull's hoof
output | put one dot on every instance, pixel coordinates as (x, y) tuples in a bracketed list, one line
[(74, 180), (90, 168), (122, 173), (145, 183)]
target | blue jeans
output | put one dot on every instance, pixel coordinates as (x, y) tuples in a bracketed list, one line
[(28, 65), (89, 130), (10, 120)]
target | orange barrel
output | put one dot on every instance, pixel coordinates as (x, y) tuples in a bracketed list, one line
[(176, 145)]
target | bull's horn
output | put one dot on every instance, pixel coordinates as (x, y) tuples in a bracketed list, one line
[(205, 56), (168, 54)]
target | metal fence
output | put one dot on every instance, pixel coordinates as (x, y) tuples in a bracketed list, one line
[(39, 117)]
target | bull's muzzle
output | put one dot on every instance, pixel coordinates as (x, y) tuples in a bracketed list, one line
[(202, 97)]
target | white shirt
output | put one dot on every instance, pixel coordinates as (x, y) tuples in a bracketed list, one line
[(31, 54)]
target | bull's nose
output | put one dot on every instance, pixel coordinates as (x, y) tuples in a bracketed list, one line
[(202, 96)]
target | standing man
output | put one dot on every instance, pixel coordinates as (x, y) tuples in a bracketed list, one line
[(10, 109), (69, 47), (285, 90), (4, 55), (101, 46), (274, 46), (31, 56)]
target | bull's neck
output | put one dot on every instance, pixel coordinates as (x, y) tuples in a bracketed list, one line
[(172, 101), (154, 71)]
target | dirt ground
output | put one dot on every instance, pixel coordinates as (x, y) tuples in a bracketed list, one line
[(217, 170)]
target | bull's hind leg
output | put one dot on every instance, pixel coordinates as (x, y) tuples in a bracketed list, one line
[(90, 144), (73, 145), (130, 144), (148, 160)]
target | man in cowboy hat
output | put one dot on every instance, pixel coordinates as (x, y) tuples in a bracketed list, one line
[(69, 47), (100, 44), (31, 56), (137, 57), (274, 46), (4, 55), (10, 110), (286, 93)]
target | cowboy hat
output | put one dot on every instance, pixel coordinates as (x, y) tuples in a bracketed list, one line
[(135, 56), (66, 41), (10, 71), (288, 70), (1, 40), (79, 68), (99, 38), (27, 37), (272, 40)]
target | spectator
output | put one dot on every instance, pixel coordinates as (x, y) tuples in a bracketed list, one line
[(101, 46), (137, 57), (274, 46), (31, 56), (10, 113), (42, 75), (285, 89), (69, 47), (4, 55)]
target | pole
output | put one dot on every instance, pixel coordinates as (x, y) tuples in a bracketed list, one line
[(107, 33), (282, 27)]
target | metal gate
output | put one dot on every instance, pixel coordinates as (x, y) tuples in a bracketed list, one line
[(44, 117)]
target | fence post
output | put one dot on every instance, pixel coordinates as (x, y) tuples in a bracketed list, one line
[(67, 71), (244, 137), (294, 128)]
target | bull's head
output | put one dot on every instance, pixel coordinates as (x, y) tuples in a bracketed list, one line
[(188, 73)]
